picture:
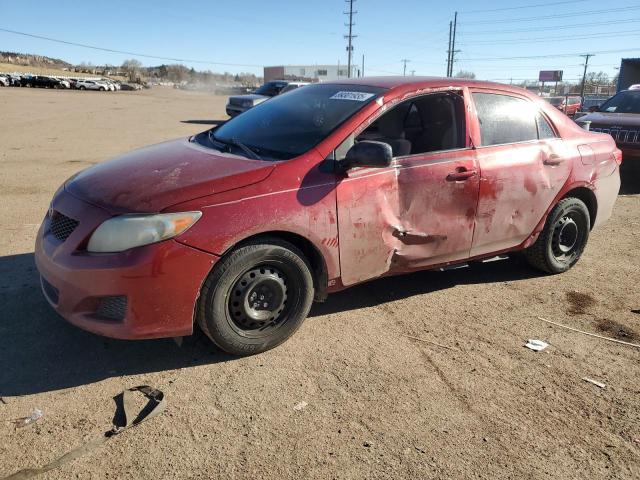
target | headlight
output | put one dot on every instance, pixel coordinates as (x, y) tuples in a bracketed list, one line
[(128, 231)]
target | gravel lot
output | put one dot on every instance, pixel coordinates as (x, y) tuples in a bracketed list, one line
[(379, 404)]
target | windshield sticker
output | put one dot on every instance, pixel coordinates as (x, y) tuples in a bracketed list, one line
[(355, 96)]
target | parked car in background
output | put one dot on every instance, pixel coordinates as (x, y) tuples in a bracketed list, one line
[(315, 191), (40, 81), (241, 103), (569, 105), (4, 81), (130, 86), (91, 85), (619, 117)]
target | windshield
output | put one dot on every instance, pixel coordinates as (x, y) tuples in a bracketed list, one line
[(623, 102), (291, 124), (270, 89), (556, 101)]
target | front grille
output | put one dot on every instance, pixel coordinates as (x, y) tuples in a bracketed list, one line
[(62, 226), (50, 291), (620, 135), (112, 308)]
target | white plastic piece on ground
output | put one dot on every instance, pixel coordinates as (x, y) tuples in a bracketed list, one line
[(35, 415), (300, 406), (536, 345), (595, 382)]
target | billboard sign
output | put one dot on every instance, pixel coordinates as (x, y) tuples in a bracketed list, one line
[(550, 76)]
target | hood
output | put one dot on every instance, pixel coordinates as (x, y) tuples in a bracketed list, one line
[(250, 96), (153, 178), (613, 119)]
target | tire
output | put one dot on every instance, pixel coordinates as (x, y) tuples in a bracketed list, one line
[(82, 87), (101, 89), (563, 239), (267, 269)]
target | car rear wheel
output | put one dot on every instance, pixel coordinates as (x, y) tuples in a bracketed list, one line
[(563, 239), (82, 87), (256, 297)]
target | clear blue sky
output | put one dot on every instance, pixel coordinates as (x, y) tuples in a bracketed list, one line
[(274, 32)]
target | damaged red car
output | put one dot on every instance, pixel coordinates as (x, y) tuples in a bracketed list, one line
[(239, 228)]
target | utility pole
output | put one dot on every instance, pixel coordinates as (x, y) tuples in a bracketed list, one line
[(453, 43), (449, 51), (363, 64), (350, 36), (584, 75), (413, 72), (404, 68)]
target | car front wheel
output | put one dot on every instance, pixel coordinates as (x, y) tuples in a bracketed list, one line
[(256, 297), (563, 239)]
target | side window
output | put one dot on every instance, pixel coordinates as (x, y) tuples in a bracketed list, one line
[(504, 119), (430, 123), (544, 129)]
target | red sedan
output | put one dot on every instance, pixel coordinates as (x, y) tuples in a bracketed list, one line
[(568, 105), (241, 227)]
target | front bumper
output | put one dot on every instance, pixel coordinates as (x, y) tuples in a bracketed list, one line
[(159, 283)]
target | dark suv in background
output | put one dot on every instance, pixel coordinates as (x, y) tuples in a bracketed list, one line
[(619, 117)]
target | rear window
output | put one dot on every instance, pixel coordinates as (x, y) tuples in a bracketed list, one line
[(556, 101), (505, 119)]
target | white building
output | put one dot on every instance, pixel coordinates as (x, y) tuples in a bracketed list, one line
[(312, 73)]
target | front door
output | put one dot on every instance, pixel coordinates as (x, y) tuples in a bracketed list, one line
[(420, 211)]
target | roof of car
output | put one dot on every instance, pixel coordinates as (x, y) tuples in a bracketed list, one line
[(423, 82)]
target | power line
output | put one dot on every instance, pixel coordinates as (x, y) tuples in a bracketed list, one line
[(511, 41), (134, 54), (350, 36), (548, 17), (556, 55), (559, 27), (525, 6)]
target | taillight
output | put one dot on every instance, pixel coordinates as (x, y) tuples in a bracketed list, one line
[(617, 156)]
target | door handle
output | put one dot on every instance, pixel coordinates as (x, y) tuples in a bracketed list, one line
[(552, 160), (461, 174)]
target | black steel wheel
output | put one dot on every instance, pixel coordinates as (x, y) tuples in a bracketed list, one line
[(256, 297), (563, 239)]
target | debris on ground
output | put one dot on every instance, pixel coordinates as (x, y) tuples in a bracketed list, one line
[(3, 401), (123, 420), (536, 345), (595, 382), (24, 421), (590, 334), (300, 406)]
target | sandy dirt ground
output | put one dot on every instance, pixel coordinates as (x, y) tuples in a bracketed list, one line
[(378, 403)]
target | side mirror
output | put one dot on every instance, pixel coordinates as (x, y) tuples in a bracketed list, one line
[(595, 108), (368, 153)]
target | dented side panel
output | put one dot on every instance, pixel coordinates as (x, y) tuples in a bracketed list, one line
[(518, 182), (407, 216)]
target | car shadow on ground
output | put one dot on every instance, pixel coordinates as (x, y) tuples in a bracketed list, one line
[(204, 122), (389, 289), (41, 352), (630, 176)]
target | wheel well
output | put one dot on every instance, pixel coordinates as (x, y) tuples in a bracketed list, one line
[(312, 254), (589, 199)]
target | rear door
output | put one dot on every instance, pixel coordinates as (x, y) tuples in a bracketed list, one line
[(523, 165)]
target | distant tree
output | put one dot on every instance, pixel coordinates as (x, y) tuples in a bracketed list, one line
[(132, 67), (465, 74), (599, 78)]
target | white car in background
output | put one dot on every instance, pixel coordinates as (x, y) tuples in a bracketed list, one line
[(91, 85)]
